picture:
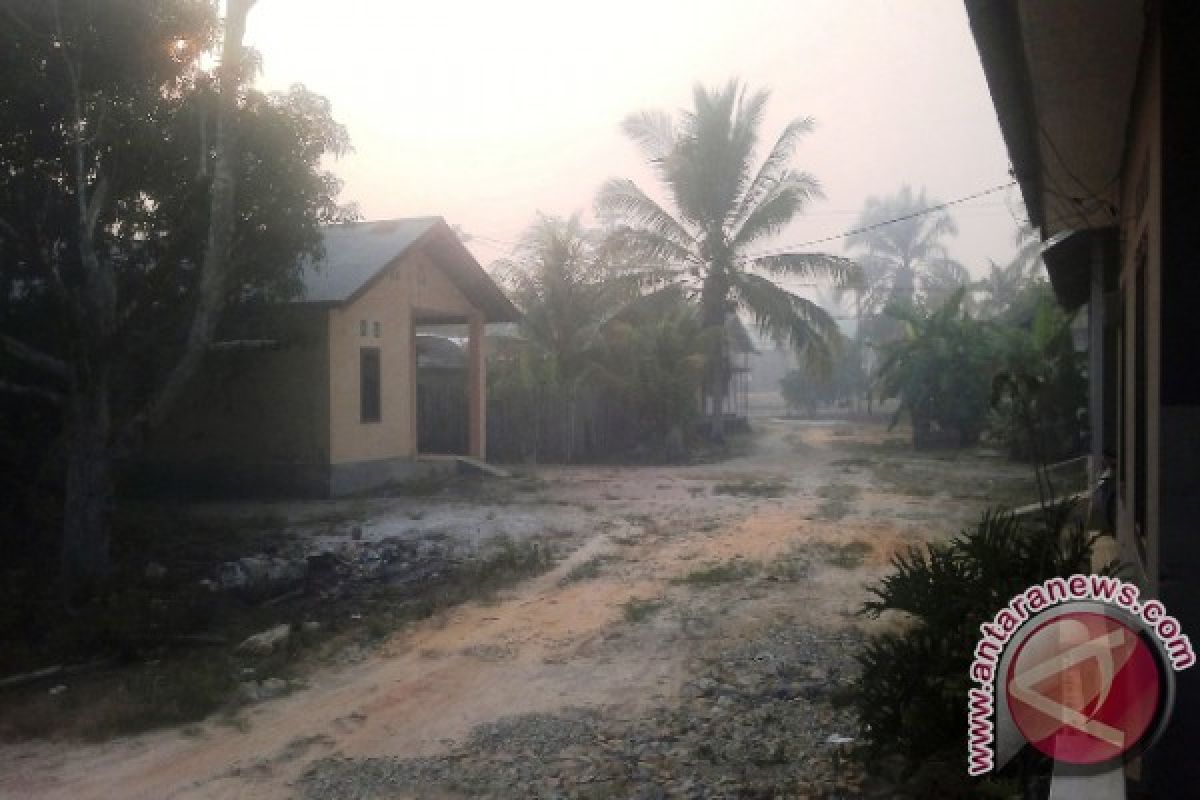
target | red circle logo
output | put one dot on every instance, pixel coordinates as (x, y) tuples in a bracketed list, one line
[(1084, 688)]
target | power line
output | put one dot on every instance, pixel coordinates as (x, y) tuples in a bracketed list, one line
[(922, 212)]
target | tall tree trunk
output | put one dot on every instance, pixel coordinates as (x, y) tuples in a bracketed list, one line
[(717, 368), (91, 439), (86, 563)]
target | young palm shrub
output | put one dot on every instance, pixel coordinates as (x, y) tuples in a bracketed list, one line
[(1039, 397), (562, 281), (940, 371), (911, 694), (652, 363)]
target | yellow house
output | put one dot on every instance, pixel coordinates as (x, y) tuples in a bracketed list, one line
[(319, 395)]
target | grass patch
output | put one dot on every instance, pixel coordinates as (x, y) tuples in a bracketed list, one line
[(905, 479), (788, 568), (752, 487), (851, 462), (587, 570), (839, 491), (850, 555), (636, 610), (837, 500), (717, 574)]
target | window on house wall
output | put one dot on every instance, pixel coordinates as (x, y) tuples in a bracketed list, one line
[(369, 392), (362, 327), (378, 330)]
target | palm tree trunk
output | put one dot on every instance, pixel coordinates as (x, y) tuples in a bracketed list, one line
[(717, 368)]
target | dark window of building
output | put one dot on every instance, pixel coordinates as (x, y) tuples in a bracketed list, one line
[(362, 327), (369, 384), (378, 330)]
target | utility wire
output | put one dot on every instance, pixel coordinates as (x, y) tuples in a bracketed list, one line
[(776, 250), (922, 212)]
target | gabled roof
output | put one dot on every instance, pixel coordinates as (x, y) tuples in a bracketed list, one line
[(358, 253)]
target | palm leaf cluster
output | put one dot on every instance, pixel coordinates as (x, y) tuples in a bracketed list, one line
[(722, 207), (902, 251)]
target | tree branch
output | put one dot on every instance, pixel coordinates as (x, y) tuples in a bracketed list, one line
[(49, 395), (215, 267), (34, 357)]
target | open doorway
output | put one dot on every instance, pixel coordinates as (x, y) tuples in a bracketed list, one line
[(442, 403)]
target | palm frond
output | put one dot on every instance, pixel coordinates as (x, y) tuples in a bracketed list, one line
[(773, 168), (789, 318), (843, 271), (658, 252), (778, 207), (653, 132), (620, 198)]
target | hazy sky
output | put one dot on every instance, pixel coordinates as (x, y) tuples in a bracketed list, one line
[(487, 112)]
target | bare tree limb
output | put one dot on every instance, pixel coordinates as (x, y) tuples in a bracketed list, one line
[(34, 357), (49, 395)]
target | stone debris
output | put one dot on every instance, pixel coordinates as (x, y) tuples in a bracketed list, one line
[(261, 644), (753, 723)]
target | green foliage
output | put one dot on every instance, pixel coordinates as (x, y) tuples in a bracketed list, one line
[(809, 388), (752, 487), (653, 362), (718, 574), (911, 696), (940, 371), (630, 379), (114, 214), (636, 610), (803, 392), (1039, 400)]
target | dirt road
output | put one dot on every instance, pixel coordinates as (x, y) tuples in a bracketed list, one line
[(678, 586)]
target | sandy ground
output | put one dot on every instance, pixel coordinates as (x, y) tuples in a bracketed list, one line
[(549, 644)]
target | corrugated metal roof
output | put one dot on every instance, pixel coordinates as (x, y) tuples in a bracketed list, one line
[(355, 253)]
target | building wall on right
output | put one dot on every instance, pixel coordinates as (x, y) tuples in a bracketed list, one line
[(1138, 328), (1159, 371)]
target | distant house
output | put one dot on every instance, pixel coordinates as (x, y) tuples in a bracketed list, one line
[(1095, 99), (320, 395)]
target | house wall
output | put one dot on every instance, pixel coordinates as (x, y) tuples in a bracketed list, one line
[(1172, 763), (251, 420), (1141, 244), (366, 453)]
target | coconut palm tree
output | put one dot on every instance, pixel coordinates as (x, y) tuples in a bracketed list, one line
[(722, 209), (902, 248)]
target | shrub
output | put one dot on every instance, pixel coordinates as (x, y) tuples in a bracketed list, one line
[(911, 695)]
